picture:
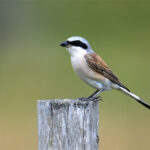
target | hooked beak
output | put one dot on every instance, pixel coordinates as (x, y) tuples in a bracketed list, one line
[(64, 44)]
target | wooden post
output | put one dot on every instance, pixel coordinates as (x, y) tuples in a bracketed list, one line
[(68, 124)]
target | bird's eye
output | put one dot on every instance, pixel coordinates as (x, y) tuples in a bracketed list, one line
[(78, 43)]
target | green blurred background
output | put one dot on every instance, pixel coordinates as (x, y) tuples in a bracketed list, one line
[(33, 66)]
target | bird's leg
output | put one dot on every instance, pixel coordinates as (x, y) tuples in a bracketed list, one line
[(97, 91), (94, 96)]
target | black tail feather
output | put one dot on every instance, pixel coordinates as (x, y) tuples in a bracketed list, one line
[(135, 97)]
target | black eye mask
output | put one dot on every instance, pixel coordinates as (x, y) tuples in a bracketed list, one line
[(78, 43)]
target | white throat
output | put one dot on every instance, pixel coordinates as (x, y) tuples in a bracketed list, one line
[(76, 51)]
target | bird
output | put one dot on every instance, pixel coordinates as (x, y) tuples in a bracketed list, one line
[(93, 70)]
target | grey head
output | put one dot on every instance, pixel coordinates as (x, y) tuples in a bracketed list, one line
[(77, 42)]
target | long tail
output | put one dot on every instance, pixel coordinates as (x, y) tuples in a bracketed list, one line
[(138, 99)]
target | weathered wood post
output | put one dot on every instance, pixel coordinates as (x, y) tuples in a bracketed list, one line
[(68, 124)]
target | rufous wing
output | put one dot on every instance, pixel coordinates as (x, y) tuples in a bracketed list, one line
[(97, 64)]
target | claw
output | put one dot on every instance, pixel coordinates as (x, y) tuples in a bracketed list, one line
[(90, 98), (98, 98), (84, 99)]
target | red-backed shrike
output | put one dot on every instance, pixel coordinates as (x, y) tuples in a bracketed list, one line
[(91, 68)]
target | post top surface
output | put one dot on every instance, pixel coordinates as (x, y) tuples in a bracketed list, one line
[(65, 101)]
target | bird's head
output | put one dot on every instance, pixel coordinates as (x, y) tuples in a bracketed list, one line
[(77, 44)]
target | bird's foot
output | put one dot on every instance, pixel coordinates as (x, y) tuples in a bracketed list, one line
[(90, 98)]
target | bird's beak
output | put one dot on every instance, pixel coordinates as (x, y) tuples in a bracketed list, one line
[(64, 44)]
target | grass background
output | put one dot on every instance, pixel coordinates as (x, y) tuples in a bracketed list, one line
[(33, 66)]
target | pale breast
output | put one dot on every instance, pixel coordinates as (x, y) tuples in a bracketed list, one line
[(85, 73), (80, 66)]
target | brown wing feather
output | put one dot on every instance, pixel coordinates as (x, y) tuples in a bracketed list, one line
[(97, 64)]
